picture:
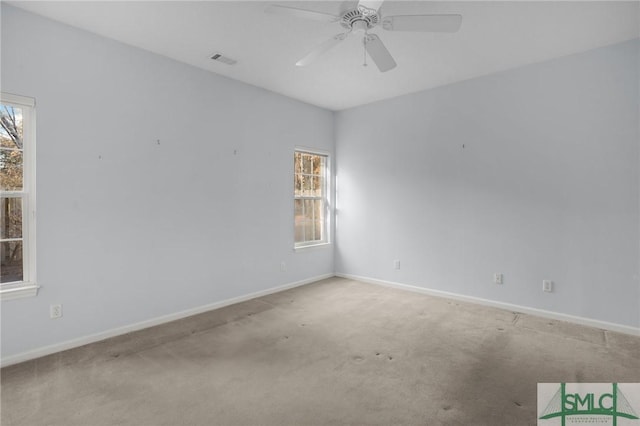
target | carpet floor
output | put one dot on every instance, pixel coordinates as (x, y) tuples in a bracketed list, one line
[(334, 352)]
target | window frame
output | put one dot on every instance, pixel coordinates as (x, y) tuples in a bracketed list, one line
[(28, 286), (326, 200)]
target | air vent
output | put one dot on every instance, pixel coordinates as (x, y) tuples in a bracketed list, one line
[(220, 58)]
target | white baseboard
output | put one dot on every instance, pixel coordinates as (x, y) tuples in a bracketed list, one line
[(620, 328), (81, 341), (74, 343)]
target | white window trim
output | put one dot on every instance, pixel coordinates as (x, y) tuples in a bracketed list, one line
[(29, 286), (328, 208)]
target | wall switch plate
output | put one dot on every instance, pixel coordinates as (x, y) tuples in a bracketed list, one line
[(396, 264), (547, 286), (55, 311), (497, 278), (283, 266)]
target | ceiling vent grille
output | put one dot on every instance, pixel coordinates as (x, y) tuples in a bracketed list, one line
[(225, 60)]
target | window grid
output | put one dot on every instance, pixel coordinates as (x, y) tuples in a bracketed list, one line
[(17, 207), (310, 198)]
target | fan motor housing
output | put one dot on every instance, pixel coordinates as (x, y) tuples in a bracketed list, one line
[(362, 15)]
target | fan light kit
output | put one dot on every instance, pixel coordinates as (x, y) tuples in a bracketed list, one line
[(363, 18)]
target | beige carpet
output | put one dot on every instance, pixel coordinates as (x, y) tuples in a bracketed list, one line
[(330, 353)]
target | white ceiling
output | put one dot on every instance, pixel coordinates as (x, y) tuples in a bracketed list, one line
[(494, 36)]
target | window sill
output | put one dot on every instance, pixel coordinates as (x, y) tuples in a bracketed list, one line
[(18, 291), (311, 246)]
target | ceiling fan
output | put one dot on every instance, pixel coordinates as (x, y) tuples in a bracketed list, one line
[(363, 18)]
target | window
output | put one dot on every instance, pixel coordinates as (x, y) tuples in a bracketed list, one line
[(311, 206), (17, 196)]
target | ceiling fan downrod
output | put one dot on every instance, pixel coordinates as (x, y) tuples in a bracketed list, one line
[(364, 51)]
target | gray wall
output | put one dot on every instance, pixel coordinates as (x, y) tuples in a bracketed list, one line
[(149, 229), (545, 187)]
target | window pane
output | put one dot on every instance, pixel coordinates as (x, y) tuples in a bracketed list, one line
[(318, 219), (308, 186), (11, 218), (299, 220), (10, 261), (309, 182), (297, 162), (11, 127), (299, 232), (306, 163), (297, 185), (318, 165), (317, 187), (309, 234), (308, 230), (299, 208), (10, 170)]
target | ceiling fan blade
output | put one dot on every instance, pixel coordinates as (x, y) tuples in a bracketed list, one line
[(321, 49), (379, 53), (373, 5), (301, 13), (427, 23)]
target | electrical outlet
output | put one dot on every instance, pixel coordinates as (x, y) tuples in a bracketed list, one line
[(396, 264), (547, 286), (283, 266), (497, 278), (55, 311)]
